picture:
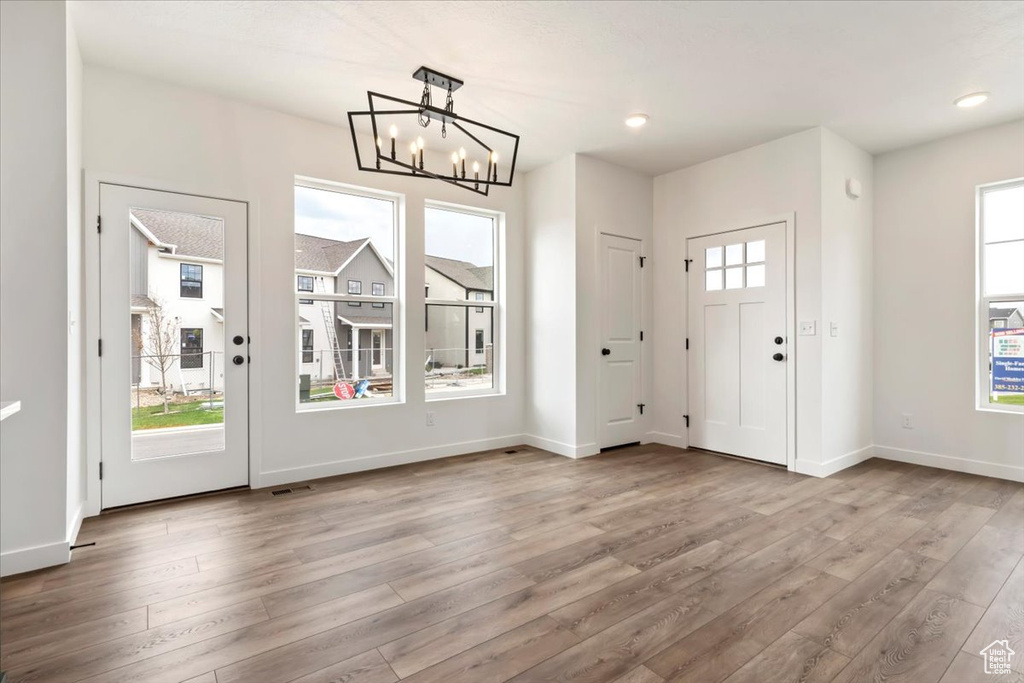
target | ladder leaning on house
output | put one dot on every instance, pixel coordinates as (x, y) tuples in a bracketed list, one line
[(327, 308)]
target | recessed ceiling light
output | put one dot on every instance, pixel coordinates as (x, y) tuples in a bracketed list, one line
[(972, 100), (636, 120)]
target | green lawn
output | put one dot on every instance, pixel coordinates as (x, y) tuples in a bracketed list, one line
[(1012, 400), (181, 415)]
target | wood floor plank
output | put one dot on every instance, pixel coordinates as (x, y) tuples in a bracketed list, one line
[(1004, 620), (501, 658), (980, 569), (368, 667), (918, 644), (716, 650), (864, 549), (598, 611), (949, 531), (446, 575), (644, 565), (75, 666), (332, 646), (791, 659), (448, 638), (850, 619)]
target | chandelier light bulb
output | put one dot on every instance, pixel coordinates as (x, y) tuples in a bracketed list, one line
[(476, 167), (380, 142), (494, 157), (419, 143), (455, 157), (462, 152), (412, 147), (393, 131)]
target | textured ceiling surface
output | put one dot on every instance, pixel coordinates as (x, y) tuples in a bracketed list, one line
[(715, 77)]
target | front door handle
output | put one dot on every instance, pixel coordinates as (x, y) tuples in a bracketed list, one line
[(606, 352), (778, 357), (238, 360)]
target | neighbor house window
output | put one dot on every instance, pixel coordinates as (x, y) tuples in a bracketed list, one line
[(305, 284), (347, 236), (1001, 296), (191, 281), (462, 262), (307, 346), (191, 348)]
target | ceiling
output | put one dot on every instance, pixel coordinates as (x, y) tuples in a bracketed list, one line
[(715, 77)]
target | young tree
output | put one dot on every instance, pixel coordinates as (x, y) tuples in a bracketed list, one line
[(158, 345)]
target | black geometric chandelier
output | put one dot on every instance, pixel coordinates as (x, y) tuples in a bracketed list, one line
[(476, 150)]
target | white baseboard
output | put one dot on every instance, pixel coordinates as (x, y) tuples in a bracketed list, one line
[(559, 448), (373, 462), (29, 559), (949, 462), (829, 467), (666, 439)]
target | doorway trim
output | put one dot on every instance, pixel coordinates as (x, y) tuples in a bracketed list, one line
[(790, 220), (91, 316)]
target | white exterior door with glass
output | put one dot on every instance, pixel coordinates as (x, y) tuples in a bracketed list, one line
[(738, 345), (174, 349)]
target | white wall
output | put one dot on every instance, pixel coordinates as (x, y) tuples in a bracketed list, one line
[(200, 142), (616, 201), (550, 294), (925, 304), (736, 191), (34, 306), (846, 302), (76, 342)]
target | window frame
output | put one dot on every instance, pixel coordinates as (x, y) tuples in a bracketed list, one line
[(398, 321), (181, 349), (373, 292), (983, 387), (298, 287), (182, 280), (307, 349), (496, 303)]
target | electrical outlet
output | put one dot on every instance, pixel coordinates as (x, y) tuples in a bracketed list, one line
[(808, 328), (833, 329), (430, 418), (908, 421)]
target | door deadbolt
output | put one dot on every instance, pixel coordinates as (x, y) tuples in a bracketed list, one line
[(238, 360), (238, 340), (779, 340), (606, 352)]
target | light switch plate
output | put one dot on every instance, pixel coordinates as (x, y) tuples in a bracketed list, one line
[(833, 329), (808, 328)]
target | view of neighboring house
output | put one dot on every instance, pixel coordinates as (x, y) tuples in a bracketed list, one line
[(1009, 317), (177, 265)]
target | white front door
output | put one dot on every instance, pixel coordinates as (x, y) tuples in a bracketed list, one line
[(377, 350), (621, 399), (738, 345), (174, 328)]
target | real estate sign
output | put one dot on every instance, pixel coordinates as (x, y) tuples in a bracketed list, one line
[(1008, 361)]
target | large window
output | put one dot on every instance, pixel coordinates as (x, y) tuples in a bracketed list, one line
[(191, 281), (191, 348), (463, 312), (346, 350), (1001, 296)]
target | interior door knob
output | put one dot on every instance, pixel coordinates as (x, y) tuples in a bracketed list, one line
[(606, 352), (779, 340), (238, 340), (238, 360), (778, 357)]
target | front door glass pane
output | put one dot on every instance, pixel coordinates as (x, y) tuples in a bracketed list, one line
[(176, 297)]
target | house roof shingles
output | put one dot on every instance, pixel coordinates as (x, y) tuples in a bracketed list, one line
[(191, 235), (324, 255), (463, 273), (996, 313)]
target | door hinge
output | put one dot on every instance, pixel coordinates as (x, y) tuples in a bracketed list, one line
[(641, 335), (642, 259), (99, 347), (99, 223), (687, 343), (686, 262), (101, 471), (641, 407), (687, 418)]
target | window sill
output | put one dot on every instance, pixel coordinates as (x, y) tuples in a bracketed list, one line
[(359, 404), (462, 395), (1003, 411)]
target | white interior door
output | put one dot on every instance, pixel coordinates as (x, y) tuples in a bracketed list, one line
[(173, 355), (621, 399), (738, 345)]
